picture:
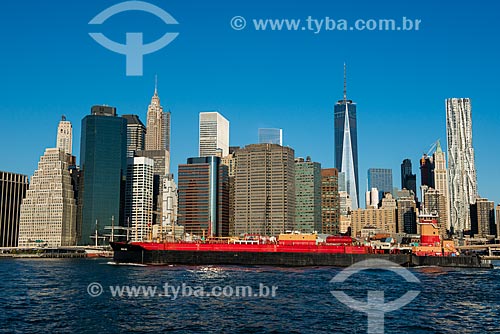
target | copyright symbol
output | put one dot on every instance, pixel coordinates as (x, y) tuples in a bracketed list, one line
[(94, 289), (238, 23)]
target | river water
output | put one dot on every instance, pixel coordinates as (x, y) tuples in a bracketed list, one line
[(64, 296)]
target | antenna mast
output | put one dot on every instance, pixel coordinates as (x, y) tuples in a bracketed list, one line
[(345, 83)]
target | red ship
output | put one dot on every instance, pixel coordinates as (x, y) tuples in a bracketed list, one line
[(290, 250)]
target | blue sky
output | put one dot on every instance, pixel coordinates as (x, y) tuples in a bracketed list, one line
[(399, 79)]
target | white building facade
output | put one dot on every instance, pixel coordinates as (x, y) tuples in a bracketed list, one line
[(48, 213), (169, 201), (441, 180), (213, 134), (139, 198), (461, 167), (65, 136)]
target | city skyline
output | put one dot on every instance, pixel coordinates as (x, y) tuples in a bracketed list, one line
[(278, 88), (68, 124), (221, 166)]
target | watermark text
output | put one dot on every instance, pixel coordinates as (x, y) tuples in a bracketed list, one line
[(318, 25), (173, 292)]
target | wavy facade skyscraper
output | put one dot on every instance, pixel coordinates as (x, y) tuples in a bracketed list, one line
[(346, 144), (461, 168)]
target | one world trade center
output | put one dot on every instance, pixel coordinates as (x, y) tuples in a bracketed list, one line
[(346, 145)]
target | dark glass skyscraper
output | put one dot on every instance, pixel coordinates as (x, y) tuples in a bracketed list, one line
[(204, 197), (380, 178), (427, 171), (346, 145), (270, 136), (103, 163), (136, 135), (408, 179), (13, 189)]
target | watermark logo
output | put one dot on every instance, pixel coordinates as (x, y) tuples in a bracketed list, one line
[(134, 49), (94, 289), (238, 23), (176, 291), (375, 306)]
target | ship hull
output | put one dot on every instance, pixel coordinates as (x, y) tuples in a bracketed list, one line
[(462, 261), (166, 257), (136, 253)]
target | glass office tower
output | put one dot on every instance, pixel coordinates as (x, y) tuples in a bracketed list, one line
[(380, 178), (103, 163), (346, 145)]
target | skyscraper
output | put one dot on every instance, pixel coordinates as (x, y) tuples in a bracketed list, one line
[(161, 163), (204, 197), (408, 179), (372, 198), (48, 212), (461, 167), (441, 182), (330, 201), (483, 218), (157, 147), (65, 136), (214, 134), (136, 135), (270, 136), (264, 189), (307, 195), (12, 191), (434, 202), (230, 161), (427, 171), (103, 163), (342, 183), (139, 197), (497, 213), (346, 144), (345, 206), (381, 179), (158, 125), (407, 215), (170, 200)]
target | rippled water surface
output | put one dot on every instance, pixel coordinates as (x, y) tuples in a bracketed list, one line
[(50, 296)]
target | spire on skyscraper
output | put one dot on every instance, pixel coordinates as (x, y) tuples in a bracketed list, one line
[(345, 83), (157, 124), (438, 146), (156, 84)]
